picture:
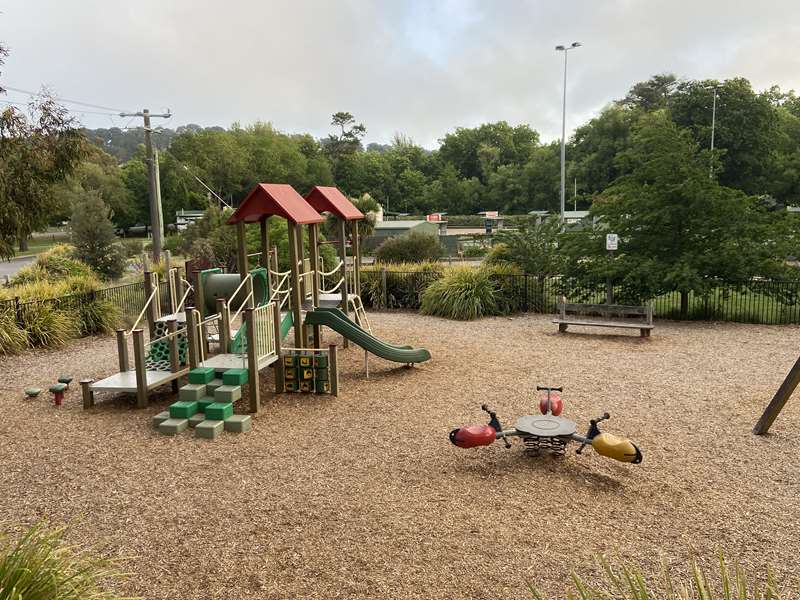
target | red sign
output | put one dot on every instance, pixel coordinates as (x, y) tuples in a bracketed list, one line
[(434, 217)]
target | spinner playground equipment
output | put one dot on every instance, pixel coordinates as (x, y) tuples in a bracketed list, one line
[(266, 304), (547, 432)]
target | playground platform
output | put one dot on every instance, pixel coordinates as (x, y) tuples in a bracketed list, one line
[(126, 381), (235, 361)]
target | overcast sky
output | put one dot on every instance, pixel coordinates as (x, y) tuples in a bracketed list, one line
[(417, 67)]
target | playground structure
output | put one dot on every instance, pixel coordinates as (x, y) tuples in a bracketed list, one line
[(779, 400), (236, 323), (548, 432)]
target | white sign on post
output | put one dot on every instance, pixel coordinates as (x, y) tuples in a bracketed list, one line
[(612, 241)]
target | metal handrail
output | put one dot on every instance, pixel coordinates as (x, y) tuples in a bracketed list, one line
[(236, 291), (244, 303), (166, 336), (141, 314), (185, 295)]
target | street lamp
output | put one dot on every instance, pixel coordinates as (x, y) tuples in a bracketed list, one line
[(564, 49), (713, 125)]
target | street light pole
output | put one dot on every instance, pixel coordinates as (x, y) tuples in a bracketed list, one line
[(713, 125), (564, 49)]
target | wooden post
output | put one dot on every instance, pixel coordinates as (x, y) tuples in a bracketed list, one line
[(150, 312), (122, 351), (191, 336), (174, 355), (356, 260), (141, 370), (313, 245), (300, 258), (333, 370), (199, 294), (276, 323), (384, 291), (241, 250), (88, 394), (252, 361), (779, 400), (145, 262), (265, 253), (224, 325), (170, 280), (343, 256), (296, 299)]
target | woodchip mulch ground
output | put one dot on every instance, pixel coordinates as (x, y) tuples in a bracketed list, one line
[(362, 496)]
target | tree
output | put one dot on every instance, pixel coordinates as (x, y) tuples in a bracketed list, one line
[(532, 246), (679, 230), (653, 94), (36, 151), (93, 236), (348, 140), (597, 144)]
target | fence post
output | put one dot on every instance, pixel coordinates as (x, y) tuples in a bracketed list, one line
[(87, 393), (525, 304), (18, 312), (384, 291)]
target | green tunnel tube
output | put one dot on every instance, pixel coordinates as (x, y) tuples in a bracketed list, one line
[(222, 285)]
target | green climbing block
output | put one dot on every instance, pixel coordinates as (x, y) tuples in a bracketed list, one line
[(306, 386), (227, 393), (219, 411), (238, 423), (213, 385), (65, 379), (290, 373), (234, 377), (173, 426), (160, 418), (290, 385), (203, 403), (209, 429), (196, 419), (32, 392), (58, 387), (305, 361), (323, 387), (289, 361), (320, 361), (201, 375), (183, 409), (192, 392), (306, 373)]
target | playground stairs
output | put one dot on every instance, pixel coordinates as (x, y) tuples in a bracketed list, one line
[(205, 404)]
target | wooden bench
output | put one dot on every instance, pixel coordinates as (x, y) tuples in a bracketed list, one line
[(606, 315)]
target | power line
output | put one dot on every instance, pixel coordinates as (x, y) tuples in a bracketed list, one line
[(67, 100)]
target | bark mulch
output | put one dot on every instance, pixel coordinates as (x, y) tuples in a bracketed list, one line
[(362, 496)]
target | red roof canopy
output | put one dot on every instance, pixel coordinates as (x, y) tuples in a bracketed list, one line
[(330, 199), (280, 199)]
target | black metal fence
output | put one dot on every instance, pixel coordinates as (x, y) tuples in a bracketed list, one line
[(747, 301)]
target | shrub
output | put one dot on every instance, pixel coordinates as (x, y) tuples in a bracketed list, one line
[(12, 338), (499, 254), (463, 294), (509, 286), (46, 325), (413, 247), (39, 566), (405, 283), (132, 247), (93, 237), (475, 251), (98, 316), (53, 265), (626, 581)]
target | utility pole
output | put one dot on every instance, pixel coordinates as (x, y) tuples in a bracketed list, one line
[(564, 49), (153, 186), (713, 125)]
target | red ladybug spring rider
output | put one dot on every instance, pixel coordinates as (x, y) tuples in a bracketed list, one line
[(547, 432)]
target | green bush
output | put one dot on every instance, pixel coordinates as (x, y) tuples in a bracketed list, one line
[(93, 237), (413, 247), (132, 247), (40, 566), (463, 294), (475, 251), (53, 265), (405, 283), (12, 339), (99, 316), (625, 581), (47, 326)]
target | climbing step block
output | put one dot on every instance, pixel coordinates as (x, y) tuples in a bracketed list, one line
[(196, 419), (160, 418), (173, 426), (321, 374), (201, 375), (209, 429), (219, 411), (323, 387), (182, 409), (203, 403), (234, 377), (306, 373), (192, 392), (58, 387), (320, 361), (213, 385), (305, 361), (306, 386), (290, 361), (227, 393), (290, 373), (238, 423), (290, 386)]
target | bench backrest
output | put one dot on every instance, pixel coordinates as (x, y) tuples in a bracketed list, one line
[(607, 311)]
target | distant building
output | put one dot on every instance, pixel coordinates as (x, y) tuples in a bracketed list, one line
[(386, 229), (185, 217)]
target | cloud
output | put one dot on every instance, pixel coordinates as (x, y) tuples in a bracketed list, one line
[(417, 67)]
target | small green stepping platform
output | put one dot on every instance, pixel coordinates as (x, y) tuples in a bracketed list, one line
[(238, 423), (65, 379), (196, 419), (58, 387), (227, 393), (203, 403), (201, 375), (160, 418), (32, 392), (173, 426), (234, 377), (183, 409), (219, 411), (209, 429), (192, 391)]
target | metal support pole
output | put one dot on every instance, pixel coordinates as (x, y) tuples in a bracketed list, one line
[(264, 261), (276, 322), (141, 369), (252, 361), (313, 246), (563, 141), (122, 351)]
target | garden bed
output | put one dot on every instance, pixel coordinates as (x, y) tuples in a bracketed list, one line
[(362, 496)]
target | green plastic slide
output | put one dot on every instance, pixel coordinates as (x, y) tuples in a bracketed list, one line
[(354, 333), (341, 314)]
